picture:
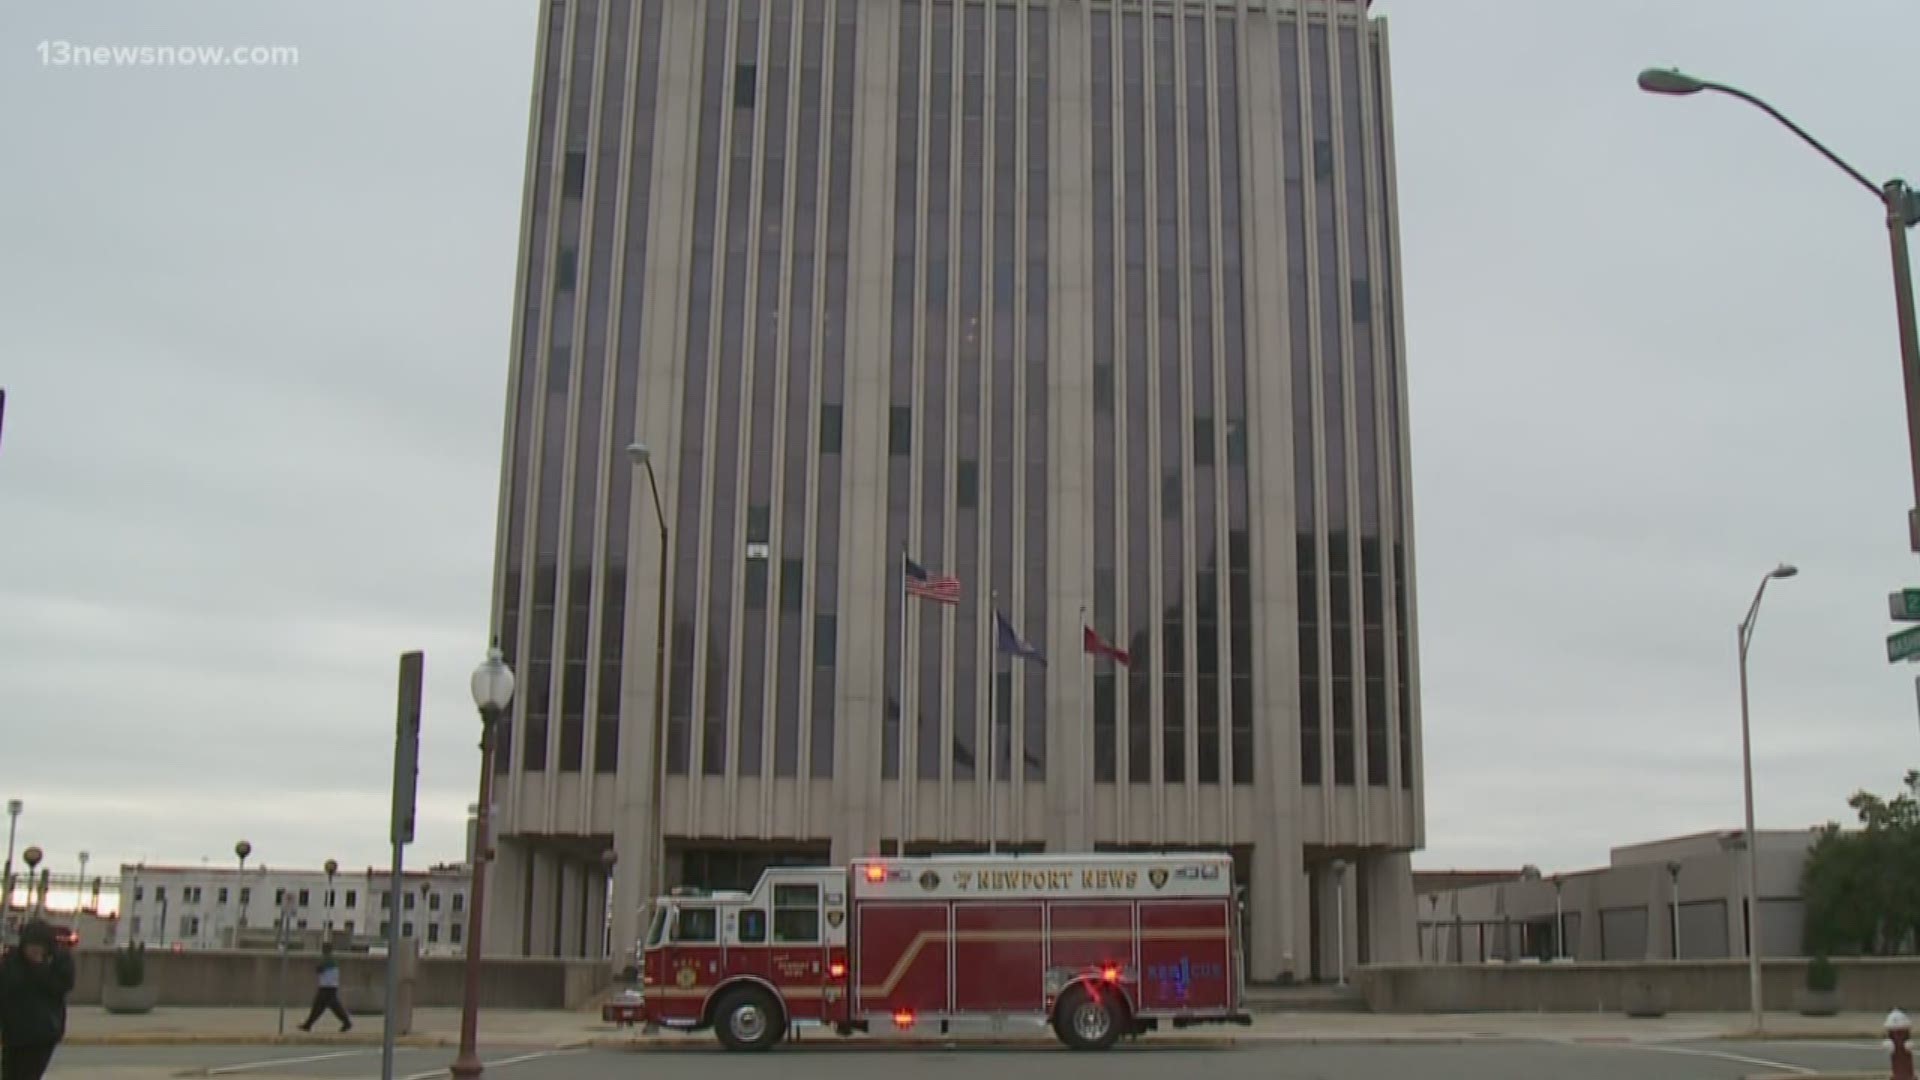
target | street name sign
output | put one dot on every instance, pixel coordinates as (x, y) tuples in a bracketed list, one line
[(1904, 645), (1904, 606)]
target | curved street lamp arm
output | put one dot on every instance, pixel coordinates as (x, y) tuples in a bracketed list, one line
[(1753, 615), (1859, 177), (659, 512)]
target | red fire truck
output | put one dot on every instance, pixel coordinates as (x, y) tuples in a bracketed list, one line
[(1095, 946)]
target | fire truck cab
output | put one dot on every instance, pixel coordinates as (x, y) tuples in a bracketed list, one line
[(1095, 947)]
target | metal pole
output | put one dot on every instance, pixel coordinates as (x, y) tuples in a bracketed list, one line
[(1559, 925), (1899, 199), (14, 806), (659, 699), (466, 1063), (389, 1022), (282, 943), (993, 726), (1673, 876), (1753, 860), (900, 737), (1340, 923)]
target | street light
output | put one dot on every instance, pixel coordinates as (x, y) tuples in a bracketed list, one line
[(641, 455), (1902, 206), (1673, 893), (1783, 571), (242, 850), (492, 686), (14, 806), (32, 857), (80, 898), (332, 867)]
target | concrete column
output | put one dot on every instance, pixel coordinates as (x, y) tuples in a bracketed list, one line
[(570, 888), (662, 372), (506, 898), (1276, 907), (542, 903), (1339, 924), (859, 812), (1391, 931), (597, 943)]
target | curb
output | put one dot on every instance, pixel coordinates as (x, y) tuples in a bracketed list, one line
[(699, 1045), (412, 1042)]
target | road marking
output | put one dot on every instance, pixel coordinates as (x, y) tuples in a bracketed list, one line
[(437, 1073), (1798, 1070), (249, 1066)]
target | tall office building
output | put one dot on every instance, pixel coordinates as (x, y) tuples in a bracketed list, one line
[(1091, 304)]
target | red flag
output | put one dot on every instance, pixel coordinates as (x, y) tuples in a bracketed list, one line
[(1094, 644)]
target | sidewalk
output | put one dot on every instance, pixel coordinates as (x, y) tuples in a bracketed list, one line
[(506, 1028)]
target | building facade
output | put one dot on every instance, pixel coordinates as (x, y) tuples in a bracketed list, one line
[(1092, 305), (1684, 898), (204, 907)]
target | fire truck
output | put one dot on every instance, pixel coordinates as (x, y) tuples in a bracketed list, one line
[(1095, 947)]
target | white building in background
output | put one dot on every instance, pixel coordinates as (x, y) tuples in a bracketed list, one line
[(1682, 898), (204, 907)]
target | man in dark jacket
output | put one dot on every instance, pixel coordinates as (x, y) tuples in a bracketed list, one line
[(35, 979)]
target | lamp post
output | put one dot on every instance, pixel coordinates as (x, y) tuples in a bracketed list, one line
[(1783, 571), (608, 859), (642, 457), (242, 850), (1902, 207), (492, 686), (1340, 921), (332, 867), (1673, 895), (32, 857), (14, 806), (80, 897), (1559, 919)]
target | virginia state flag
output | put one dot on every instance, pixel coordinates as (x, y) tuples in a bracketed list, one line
[(1006, 641)]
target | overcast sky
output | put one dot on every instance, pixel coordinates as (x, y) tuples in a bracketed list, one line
[(253, 326)]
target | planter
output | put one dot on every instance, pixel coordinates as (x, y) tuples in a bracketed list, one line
[(1643, 1000), (129, 1000), (1816, 1002)]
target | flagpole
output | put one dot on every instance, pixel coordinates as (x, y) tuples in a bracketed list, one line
[(1087, 740), (900, 735), (993, 726)]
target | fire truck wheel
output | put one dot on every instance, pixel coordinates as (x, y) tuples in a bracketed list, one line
[(1086, 1021), (748, 1019)]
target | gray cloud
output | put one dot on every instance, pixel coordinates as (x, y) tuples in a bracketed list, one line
[(254, 326)]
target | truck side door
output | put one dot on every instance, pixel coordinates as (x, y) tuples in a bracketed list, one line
[(799, 958)]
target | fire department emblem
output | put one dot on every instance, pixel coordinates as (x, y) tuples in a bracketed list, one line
[(687, 977), (834, 918), (1157, 875), (929, 881)]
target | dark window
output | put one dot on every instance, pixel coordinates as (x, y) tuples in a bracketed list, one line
[(459, 901), (567, 270), (606, 743), (353, 897), (900, 431), (759, 524), (824, 644), (1103, 381), (796, 914), (303, 898), (433, 902), (967, 485), (246, 895), (1236, 442), (223, 894), (696, 924), (756, 599), (746, 78), (1170, 495), (791, 580), (829, 429), (433, 932), (573, 182), (1203, 440), (407, 901), (453, 934), (753, 927), (406, 929), (1362, 301), (1323, 158)]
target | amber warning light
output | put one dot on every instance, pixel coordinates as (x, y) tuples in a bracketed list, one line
[(837, 969), (903, 1018), (876, 872), (1110, 973)]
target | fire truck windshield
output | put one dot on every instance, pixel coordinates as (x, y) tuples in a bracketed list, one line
[(658, 929)]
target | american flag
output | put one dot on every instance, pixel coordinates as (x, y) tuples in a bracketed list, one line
[(943, 589)]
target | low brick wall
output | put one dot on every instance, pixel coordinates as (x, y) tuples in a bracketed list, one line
[(1865, 985), (222, 978)]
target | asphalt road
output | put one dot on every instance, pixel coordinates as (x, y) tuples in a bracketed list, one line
[(1276, 1061)]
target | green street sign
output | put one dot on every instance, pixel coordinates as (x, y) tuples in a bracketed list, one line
[(1904, 645), (1904, 606)]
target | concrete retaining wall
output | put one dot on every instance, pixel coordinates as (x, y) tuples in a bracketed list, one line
[(1865, 985), (214, 978)]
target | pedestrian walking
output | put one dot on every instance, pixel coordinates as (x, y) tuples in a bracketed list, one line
[(35, 979), (326, 991)]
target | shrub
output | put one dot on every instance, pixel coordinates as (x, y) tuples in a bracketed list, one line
[(130, 965), (1822, 976)]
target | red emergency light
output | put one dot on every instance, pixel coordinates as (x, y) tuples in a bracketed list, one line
[(837, 969), (903, 1017), (1110, 973)]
